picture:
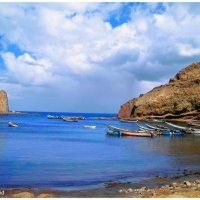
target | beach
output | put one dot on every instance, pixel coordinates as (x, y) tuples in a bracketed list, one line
[(175, 187)]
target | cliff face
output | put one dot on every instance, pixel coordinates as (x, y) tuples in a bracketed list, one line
[(3, 102), (179, 97)]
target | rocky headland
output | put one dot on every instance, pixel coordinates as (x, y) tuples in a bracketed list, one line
[(180, 98)]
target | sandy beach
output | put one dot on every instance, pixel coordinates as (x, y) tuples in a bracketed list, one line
[(187, 186)]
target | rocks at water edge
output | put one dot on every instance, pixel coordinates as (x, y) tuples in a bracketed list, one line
[(177, 99), (3, 102)]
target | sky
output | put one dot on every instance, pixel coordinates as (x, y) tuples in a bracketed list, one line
[(92, 57)]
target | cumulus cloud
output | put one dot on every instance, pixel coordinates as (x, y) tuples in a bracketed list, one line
[(93, 53)]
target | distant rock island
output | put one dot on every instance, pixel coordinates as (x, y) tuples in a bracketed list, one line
[(180, 98), (3, 102), (4, 108)]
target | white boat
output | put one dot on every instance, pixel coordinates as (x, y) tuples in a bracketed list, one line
[(145, 128), (184, 129), (192, 124), (88, 126), (176, 126), (156, 128), (70, 119), (114, 128), (50, 117), (137, 134), (128, 121), (13, 124)]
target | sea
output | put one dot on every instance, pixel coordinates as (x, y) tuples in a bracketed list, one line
[(52, 153)]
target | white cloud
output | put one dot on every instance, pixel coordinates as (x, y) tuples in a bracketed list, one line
[(73, 49)]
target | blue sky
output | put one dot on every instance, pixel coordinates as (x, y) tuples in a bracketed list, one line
[(92, 57)]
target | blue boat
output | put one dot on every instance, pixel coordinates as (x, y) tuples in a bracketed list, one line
[(172, 132), (113, 133)]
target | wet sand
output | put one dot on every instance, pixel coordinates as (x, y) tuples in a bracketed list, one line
[(184, 186)]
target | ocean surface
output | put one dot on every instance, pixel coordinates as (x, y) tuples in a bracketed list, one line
[(44, 152)]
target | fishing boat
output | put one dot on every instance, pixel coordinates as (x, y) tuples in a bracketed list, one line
[(113, 133), (192, 124), (70, 119), (161, 126), (145, 128), (128, 121), (50, 117), (13, 124), (114, 128), (172, 132), (89, 126), (157, 132), (154, 120), (156, 128), (176, 126), (183, 129), (137, 134)]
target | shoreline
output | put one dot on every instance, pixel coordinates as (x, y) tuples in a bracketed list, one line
[(186, 186)]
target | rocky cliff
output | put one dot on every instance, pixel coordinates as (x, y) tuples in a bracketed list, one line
[(178, 98), (3, 102)]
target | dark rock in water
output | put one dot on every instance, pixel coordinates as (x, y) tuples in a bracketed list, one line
[(176, 99)]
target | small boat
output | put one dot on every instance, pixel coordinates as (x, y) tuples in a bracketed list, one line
[(156, 128), (154, 120), (70, 119), (137, 134), (50, 117), (176, 126), (88, 126), (183, 129), (114, 128), (13, 124), (161, 126), (192, 124), (113, 133), (128, 121), (145, 128), (172, 132)]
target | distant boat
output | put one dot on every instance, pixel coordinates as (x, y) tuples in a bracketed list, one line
[(13, 124), (192, 124), (50, 117), (70, 119), (88, 126), (128, 121), (154, 120)]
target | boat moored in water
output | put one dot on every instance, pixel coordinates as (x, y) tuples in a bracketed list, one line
[(128, 121), (114, 128), (13, 124), (89, 126), (70, 119), (137, 134)]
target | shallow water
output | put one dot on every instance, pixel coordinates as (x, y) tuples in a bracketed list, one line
[(45, 152)]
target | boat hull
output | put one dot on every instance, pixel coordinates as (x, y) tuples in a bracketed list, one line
[(136, 134)]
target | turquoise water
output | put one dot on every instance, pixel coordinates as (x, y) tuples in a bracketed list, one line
[(45, 152)]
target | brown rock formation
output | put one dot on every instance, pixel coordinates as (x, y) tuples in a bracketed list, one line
[(3, 102), (178, 98)]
